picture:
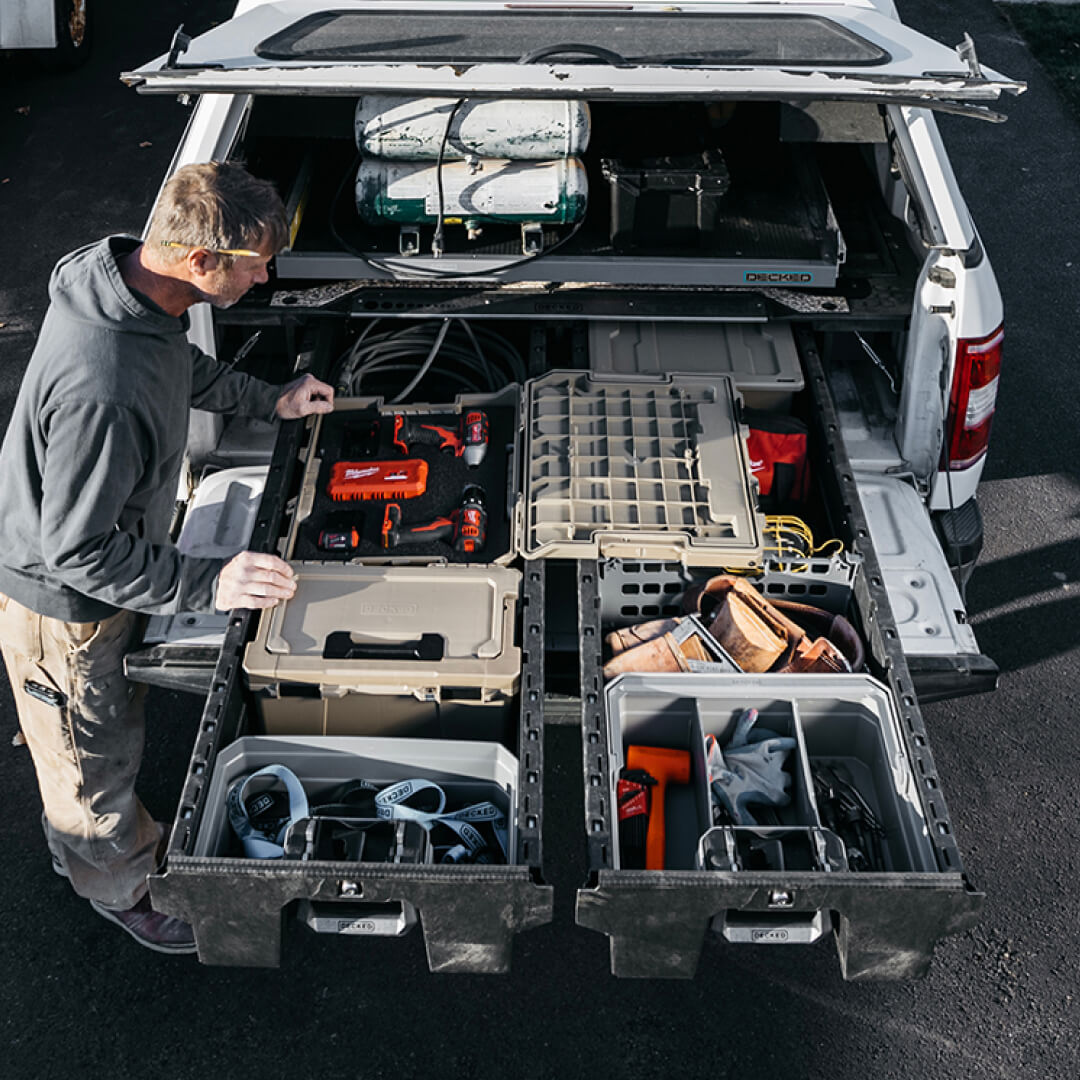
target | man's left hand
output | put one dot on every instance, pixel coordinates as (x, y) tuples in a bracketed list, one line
[(303, 397)]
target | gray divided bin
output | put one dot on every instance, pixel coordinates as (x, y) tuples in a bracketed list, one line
[(467, 772), (843, 722)]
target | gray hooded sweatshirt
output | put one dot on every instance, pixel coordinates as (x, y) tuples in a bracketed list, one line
[(91, 460)]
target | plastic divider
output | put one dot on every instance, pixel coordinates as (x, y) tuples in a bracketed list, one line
[(677, 727)]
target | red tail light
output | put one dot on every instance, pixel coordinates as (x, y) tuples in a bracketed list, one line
[(973, 398)]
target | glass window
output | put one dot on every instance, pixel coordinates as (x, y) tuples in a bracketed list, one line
[(640, 38)]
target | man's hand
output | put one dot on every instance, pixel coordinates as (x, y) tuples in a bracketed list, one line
[(254, 580), (304, 396)]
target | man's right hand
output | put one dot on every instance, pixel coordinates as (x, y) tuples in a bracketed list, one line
[(254, 580)]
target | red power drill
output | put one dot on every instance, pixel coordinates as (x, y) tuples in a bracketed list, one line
[(470, 441), (465, 528)]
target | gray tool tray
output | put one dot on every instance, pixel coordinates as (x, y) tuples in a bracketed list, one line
[(846, 720), (467, 771), (760, 358)]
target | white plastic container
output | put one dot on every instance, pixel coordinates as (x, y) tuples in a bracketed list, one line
[(492, 189), (412, 129)]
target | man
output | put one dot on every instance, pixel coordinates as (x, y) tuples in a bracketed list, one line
[(90, 465)]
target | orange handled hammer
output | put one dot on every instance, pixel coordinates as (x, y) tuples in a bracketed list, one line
[(666, 767)]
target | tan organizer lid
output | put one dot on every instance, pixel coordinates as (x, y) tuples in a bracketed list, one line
[(644, 468), (472, 608)]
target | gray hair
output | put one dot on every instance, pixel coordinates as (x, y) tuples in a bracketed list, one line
[(217, 205)]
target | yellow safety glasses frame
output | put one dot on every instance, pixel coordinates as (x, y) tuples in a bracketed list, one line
[(216, 251)]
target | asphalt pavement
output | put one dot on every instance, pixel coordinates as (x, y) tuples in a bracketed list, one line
[(81, 156)]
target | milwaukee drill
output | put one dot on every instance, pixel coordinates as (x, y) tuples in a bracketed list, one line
[(465, 528), (469, 442)]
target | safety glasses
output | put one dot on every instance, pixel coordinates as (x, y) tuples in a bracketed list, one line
[(216, 251)]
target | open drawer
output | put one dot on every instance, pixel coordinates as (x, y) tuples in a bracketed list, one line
[(320, 687), (857, 754), (861, 844)]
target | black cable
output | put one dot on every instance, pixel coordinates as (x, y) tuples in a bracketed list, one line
[(400, 350), (425, 367), (479, 352), (437, 239)]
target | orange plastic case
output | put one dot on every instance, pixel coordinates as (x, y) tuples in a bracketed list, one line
[(378, 479)]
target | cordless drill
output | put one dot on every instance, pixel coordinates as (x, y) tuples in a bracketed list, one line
[(469, 442), (465, 528)]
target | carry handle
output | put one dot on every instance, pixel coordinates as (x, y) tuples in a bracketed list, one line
[(341, 646)]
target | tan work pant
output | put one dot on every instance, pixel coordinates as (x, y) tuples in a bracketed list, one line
[(83, 723)]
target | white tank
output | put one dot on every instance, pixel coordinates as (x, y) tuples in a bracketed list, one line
[(412, 129), (492, 190)]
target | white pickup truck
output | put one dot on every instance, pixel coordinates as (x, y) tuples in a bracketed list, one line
[(626, 235)]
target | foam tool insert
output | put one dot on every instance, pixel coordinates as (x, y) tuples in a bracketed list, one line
[(345, 528)]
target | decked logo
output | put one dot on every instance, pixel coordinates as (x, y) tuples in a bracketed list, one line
[(778, 277), (558, 307), (774, 936), (388, 608)]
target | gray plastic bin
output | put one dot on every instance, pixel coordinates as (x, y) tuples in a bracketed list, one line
[(467, 771), (838, 720)]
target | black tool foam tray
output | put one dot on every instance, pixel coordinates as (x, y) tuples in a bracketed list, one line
[(364, 432)]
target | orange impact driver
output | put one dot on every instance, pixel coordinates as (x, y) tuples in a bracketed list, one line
[(469, 442), (666, 767), (465, 528)]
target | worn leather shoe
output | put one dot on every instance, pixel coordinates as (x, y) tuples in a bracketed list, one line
[(162, 933)]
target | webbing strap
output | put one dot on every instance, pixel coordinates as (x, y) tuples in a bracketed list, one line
[(390, 805), (257, 844)]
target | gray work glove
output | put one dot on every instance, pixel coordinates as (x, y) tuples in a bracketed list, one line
[(749, 771)]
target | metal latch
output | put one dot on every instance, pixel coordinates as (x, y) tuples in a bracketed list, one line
[(532, 239), (179, 44), (966, 51), (409, 240)]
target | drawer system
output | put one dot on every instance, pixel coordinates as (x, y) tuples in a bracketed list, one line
[(413, 657)]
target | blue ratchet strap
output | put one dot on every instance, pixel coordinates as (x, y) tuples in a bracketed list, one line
[(257, 843), (390, 805)]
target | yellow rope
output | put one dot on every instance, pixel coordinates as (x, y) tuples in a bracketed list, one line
[(792, 538)]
